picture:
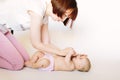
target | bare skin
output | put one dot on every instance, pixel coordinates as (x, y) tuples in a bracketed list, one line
[(39, 32), (61, 63)]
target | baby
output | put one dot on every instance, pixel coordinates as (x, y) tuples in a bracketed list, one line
[(49, 62)]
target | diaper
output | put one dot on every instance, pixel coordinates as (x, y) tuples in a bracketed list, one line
[(51, 66)]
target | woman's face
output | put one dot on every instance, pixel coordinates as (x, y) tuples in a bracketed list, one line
[(64, 17)]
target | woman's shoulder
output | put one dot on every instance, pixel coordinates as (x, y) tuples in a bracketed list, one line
[(37, 6)]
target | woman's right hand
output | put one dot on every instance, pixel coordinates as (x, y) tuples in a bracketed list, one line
[(66, 51)]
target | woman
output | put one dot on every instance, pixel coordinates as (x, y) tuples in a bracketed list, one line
[(58, 10), (12, 54)]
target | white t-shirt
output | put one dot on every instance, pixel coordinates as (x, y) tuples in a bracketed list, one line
[(38, 6)]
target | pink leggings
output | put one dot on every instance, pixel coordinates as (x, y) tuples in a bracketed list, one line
[(12, 54)]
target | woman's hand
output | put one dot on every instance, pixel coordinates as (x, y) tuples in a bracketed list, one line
[(66, 51), (70, 53)]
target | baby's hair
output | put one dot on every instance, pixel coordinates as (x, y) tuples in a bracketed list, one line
[(87, 66)]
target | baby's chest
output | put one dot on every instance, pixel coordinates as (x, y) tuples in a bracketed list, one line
[(60, 64)]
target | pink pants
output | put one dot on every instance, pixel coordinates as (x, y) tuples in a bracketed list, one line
[(12, 54)]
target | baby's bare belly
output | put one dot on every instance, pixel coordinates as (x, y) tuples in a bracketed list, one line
[(60, 64)]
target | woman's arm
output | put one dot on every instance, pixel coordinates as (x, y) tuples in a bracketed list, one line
[(40, 36), (69, 55), (46, 40), (68, 58)]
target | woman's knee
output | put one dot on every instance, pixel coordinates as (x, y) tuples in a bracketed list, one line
[(11, 65), (18, 65)]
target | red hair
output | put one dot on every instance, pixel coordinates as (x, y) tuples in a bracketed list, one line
[(60, 7)]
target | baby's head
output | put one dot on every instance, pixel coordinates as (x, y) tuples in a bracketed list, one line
[(82, 63)]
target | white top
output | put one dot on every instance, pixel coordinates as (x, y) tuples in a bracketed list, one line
[(38, 6)]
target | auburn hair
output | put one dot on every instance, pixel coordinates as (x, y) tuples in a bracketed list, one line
[(60, 7)]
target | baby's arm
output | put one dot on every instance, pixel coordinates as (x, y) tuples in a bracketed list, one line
[(34, 61), (32, 65), (69, 56), (41, 63)]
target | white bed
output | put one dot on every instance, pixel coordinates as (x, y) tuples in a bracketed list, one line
[(96, 33)]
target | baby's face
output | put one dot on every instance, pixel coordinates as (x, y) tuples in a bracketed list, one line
[(79, 61)]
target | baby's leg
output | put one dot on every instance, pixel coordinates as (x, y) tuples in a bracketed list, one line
[(9, 56), (32, 60), (36, 56), (18, 46), (32, 64)]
